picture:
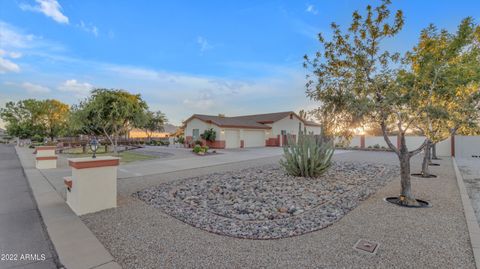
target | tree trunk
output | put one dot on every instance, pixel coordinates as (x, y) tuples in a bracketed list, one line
[(406, 196), (426, 160), (115, 144), (434, 151)]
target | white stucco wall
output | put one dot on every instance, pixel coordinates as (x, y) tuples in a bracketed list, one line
[(287, 124), (316, 130), (444, 147), (466, 146), (202, 126), (374, 140)]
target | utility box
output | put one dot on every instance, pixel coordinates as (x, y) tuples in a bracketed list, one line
[(93, 184), (45, 157)]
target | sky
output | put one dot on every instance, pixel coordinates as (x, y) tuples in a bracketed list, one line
[(185, 57)]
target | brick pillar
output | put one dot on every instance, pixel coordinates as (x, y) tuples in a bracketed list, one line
[(452, 145), (362, 141)]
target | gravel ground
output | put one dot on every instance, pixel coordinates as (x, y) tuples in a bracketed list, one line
[(141, 237), (265, 203)]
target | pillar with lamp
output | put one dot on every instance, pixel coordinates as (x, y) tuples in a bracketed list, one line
[(94, 146), (93, 184)]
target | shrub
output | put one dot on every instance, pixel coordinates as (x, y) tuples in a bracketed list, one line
[(209, 135), (309, 157), (205, 148), (181, 140), (376, 146), (198, 142), (197, 148)]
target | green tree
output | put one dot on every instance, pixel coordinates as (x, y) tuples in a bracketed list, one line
[(110, 112), (352, 76), (445, 67), (23, 118), (154, 122), (54, 117)]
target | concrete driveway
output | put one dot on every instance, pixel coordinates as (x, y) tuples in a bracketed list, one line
[(188, 160)]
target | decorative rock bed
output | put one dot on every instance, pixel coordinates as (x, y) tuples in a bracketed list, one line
[(264, 202)]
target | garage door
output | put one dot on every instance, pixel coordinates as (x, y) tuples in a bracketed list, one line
[(254, 138), (232, 139)]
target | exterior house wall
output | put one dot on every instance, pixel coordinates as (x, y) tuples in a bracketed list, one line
[(287, 124), (316, 130), (202, 126)]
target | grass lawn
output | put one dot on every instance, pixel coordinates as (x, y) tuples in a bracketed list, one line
[(126, 156)]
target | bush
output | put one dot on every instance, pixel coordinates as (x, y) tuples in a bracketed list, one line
[(376, 146), (209, 135), (205, 148), (197, 148), (198, 142), (37, 138), (309, 157), (181, 140)]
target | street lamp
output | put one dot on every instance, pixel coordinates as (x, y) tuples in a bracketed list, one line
[(94, 146)]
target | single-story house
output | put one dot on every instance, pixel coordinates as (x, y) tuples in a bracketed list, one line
[(248, 131), (139, 133)]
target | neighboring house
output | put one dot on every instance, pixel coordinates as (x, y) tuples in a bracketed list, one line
[(248, 131), (139, 133)]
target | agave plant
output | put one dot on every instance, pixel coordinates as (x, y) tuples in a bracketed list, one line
[(310, 156)]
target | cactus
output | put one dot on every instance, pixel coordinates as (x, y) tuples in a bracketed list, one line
[(309, 157)]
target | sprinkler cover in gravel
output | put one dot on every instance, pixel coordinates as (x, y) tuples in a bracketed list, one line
[(264, 202)]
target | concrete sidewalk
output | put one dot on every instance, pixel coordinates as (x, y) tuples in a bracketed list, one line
[(22, 230), (75, 244)]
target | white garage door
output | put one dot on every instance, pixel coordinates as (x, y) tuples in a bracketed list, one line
[(254, 138), (232, 139)]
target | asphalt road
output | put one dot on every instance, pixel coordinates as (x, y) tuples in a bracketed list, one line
[(24, 242)]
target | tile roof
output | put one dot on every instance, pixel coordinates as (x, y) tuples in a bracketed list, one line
[(256, 121)]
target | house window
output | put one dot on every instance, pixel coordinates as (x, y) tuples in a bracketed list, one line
[(283, 132), (195, 134), (291, 116), (300, 126)]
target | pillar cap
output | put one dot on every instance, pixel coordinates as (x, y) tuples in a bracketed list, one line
[(89, 162), (45, 147)]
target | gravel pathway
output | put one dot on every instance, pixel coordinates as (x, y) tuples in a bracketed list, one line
[(141, 237), (265, 203)]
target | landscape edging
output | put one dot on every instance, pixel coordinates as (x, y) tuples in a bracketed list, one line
[(472, 224)]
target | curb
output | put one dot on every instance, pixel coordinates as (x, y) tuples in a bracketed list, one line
[(472, 224), (76, 245)]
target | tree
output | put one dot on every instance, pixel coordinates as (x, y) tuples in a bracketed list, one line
[(354, 78), (154, 122), (110, 112), (54, 117), (23, 118), (446, 66)]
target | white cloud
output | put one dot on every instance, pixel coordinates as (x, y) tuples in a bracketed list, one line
[(89, 28), (30, 87), (78, 88), (8, 66), (311, 9), (203, 43), (203, 102), (50, 8), (12, 38)]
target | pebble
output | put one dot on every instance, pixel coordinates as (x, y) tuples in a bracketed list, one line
[(265, 202)]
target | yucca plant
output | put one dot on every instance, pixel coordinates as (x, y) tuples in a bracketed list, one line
[(309, 157)]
